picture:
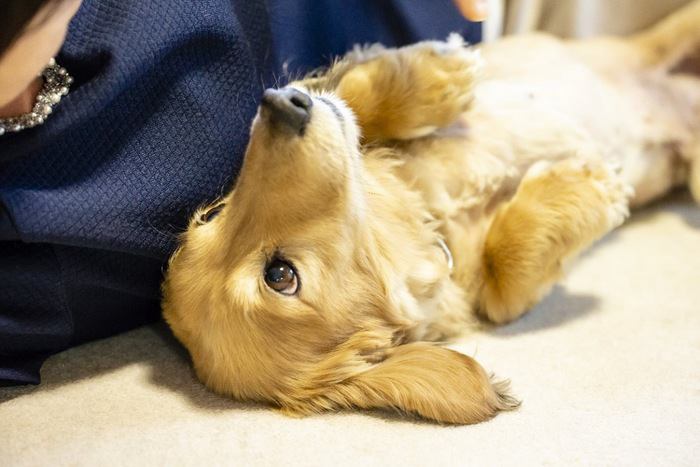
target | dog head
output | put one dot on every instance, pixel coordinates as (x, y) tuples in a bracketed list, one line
[(303, 286)]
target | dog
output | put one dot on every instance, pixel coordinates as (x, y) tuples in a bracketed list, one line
[(403, 195)]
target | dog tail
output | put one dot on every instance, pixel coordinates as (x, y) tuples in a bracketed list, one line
[(674, 41)]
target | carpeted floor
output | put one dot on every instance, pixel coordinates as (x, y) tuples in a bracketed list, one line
[(608, 368)]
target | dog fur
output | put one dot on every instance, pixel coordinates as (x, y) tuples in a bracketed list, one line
[(517, 155)]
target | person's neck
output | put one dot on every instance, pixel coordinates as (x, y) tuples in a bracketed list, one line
[(24, 103)]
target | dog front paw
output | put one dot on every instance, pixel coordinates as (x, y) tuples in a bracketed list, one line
[(410, 92), (616, 192), (442, 75), (604, 180), (559, 209)]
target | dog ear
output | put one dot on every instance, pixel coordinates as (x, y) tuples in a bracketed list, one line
[(433, 382), (418, 378)]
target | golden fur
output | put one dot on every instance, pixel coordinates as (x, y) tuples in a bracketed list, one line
[(517, 154)]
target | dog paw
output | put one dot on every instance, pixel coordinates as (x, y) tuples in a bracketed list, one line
[(442, 76), (614, 191), (412, 91), (448, 71), (603, 177)]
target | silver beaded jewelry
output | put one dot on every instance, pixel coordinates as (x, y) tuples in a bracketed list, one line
[(56, 84)]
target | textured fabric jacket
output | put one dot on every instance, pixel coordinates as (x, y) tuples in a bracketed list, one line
[(155, 124)]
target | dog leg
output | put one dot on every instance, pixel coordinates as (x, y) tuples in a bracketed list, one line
[(674, 37), (410, 92), (558, 210)]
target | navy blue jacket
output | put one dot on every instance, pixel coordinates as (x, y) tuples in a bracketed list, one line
[(156, 124)]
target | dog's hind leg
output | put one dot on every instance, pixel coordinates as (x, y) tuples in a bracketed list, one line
[(674, 38), (558, 210)]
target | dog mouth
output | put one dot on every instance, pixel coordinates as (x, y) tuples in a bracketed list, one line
[(334, 108)]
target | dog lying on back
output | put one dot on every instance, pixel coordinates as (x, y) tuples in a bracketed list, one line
[(384, 204)]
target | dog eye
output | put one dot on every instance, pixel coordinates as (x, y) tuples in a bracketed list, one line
[(281, 277), (211, 213)]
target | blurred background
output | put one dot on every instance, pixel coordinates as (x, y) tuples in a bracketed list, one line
[(574, 18)]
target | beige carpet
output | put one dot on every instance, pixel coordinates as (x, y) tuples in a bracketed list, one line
[(608, 369)]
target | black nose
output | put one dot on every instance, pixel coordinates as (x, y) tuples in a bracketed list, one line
[(288, 107)]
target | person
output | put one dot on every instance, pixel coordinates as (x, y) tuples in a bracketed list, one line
[(142, 116)]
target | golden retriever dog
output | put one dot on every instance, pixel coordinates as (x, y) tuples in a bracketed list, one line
[(391, 202)]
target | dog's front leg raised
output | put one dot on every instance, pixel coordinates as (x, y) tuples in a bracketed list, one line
[(558, 210), (406, 93)]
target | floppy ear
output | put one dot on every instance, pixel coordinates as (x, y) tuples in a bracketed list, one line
[(419, 378), (433, 382)]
